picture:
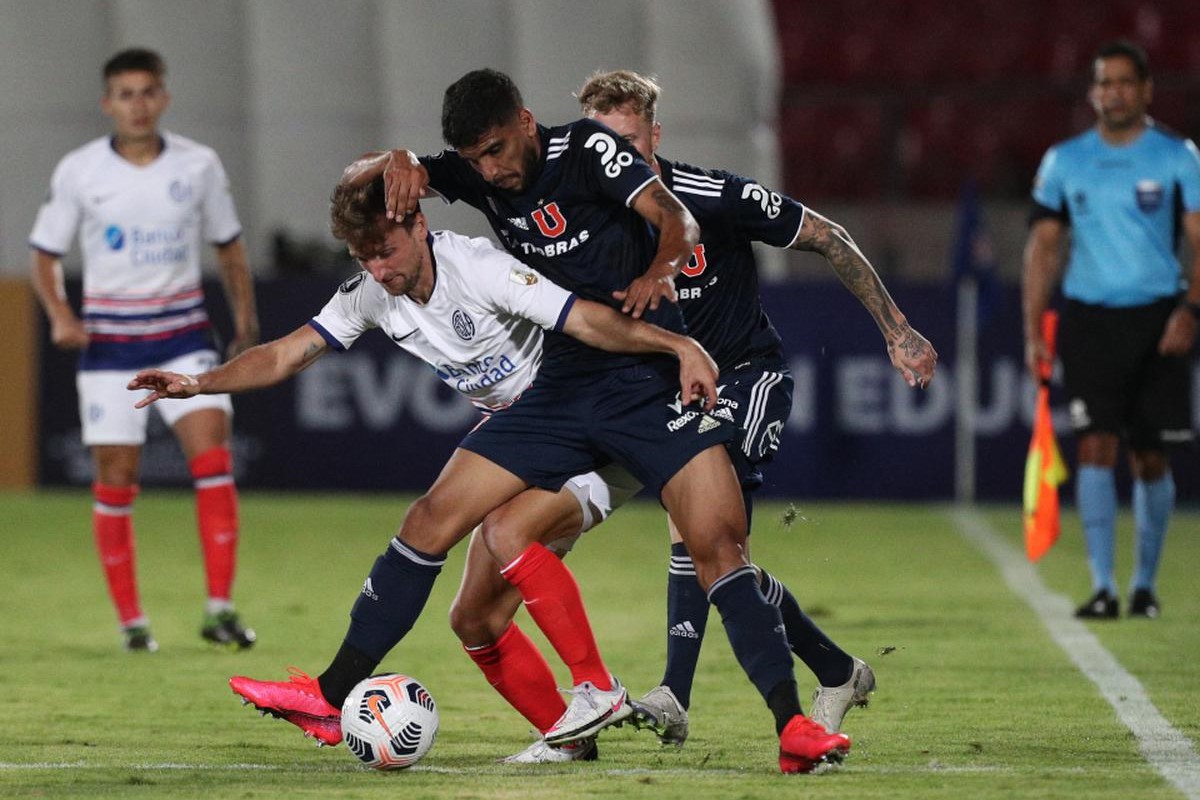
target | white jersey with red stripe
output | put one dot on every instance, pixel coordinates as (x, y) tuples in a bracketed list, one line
[(481, 329), (140, 229)]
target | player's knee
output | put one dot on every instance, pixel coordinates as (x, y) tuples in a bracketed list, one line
[(473, 626), (428, 529), (503, 536)]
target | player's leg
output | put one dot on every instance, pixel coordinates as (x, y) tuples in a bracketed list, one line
[(392, 596), (704, 499), (116, 469), (513, 535), (204, 430), (482, 618), (114, 432)]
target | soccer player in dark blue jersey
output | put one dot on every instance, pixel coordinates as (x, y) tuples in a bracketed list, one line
[(718, 292), (1125, 189), (719, 296), (577, 203)]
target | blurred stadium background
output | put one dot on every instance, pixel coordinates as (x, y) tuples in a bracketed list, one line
[(919, 125)]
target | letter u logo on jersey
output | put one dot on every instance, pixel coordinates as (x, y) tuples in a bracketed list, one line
[(697, 263), (550, 221)]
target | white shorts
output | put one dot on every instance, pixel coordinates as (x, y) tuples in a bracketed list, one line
[(106, 410), (599, 494)]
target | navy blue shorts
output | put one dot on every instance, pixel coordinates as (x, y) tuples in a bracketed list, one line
[(758, 399), (560, 428)]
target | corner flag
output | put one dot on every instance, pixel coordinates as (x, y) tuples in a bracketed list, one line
[(1044, 467)]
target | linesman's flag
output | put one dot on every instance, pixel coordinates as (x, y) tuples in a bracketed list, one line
[(1044, 467)]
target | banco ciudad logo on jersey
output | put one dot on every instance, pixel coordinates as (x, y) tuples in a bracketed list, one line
[(1149, 195), (464, 326), (115, 237)]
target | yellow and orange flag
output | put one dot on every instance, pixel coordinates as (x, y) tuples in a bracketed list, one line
[(1044, 467)]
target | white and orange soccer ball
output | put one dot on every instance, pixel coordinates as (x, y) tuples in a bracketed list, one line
[(389, 721)]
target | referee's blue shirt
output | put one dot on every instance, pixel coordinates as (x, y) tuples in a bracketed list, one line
[(1124, 205)]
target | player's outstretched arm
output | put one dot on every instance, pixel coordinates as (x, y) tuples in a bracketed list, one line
[(911, 353), (405, 179), (66, 329), (1180, 332), (259, 367), (600, 326), (678, 233), (239, 292), (1039, 276)]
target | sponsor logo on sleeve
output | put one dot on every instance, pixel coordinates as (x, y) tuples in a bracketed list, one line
[(352, 283), (611, 159), (522, 277), (770, 202)]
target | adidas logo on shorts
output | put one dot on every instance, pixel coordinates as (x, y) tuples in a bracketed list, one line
[(706, 425)]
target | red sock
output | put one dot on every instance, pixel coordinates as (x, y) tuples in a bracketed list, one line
[(112, 524), (552, 598), (217, 515), (516, 669)]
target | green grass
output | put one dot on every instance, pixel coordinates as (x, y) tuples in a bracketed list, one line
[(974, 698)]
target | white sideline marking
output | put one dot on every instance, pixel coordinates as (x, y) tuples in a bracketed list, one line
[(1168, 751)]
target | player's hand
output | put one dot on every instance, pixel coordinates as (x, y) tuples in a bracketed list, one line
[(69, 334), (646, 292), (1179, 335), (698, 375), (913, 356), (163, 384), (404, 183)]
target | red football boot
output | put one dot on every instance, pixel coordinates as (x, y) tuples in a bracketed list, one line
[(297, 700), (804, 745)]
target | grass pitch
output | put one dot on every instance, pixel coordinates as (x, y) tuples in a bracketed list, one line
[(974, 698)]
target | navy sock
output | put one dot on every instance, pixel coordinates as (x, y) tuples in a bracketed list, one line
[(391, 600), (828, 662), (687, 618), (755, 631)]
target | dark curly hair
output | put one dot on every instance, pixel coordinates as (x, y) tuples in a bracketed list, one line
[(477, 102)]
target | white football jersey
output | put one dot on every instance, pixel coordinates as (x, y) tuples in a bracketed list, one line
[(481, 330), (140, 232)]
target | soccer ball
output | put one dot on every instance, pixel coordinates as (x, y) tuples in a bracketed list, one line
[(389, 721)]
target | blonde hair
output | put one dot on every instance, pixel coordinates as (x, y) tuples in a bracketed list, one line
[(603, 92)]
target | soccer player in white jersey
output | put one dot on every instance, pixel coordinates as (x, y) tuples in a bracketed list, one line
[(476, 315), (140, 201)]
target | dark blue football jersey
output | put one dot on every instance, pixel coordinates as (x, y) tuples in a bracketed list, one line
[(572, 223), (718, 288)]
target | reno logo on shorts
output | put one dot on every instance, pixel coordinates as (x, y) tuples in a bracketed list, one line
[(770, 202), (464, 326), (550, 221), (115, 237), (1149, 195), (611, 159)]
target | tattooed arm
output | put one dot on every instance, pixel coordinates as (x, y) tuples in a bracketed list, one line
[(678, 234), (911, 353), (256, 368)]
